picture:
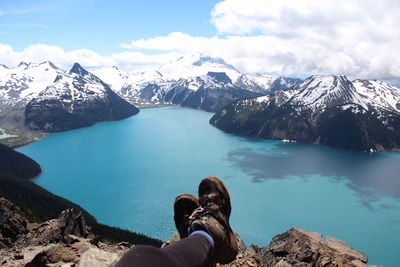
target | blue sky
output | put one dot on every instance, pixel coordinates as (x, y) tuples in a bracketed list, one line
[(99, 25), (357, 38)]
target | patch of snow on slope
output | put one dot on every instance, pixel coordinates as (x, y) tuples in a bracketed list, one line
[(251, 80), (22, 83), (114, 77), (324, 91), (379, 93)]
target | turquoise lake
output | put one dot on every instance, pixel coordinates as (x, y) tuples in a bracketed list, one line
[(128, 173)]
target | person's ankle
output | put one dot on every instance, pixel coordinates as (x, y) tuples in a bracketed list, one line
[(206, 235)]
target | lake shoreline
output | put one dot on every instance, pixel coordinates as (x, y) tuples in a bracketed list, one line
[(16, 138)]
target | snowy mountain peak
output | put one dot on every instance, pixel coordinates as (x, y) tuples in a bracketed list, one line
[(326, 91), (206, 59), (255, 82), (75, 99), (25, 81), (328, 79), (49, 64), (317, 93), (80, 71), (113, 76), (325, 82), (379, 94), (197, 65), (23, 65), (26, 66), (77, 68)]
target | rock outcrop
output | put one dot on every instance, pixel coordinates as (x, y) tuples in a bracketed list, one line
[(67, 241), (12, 225), (300, 248)]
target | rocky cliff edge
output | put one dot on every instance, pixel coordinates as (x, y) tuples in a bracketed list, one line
[(67, 241)]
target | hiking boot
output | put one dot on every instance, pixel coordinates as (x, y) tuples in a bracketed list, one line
[(213, 217), (184, 206)]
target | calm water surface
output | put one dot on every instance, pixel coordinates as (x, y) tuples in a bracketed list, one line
[(128, 173)]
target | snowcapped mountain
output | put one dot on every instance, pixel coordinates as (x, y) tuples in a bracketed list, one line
[(320, 92), (209, 92), (264, 84), (284, 83), (255, 82), (113, 76), (379, 94), (174, 82), (75, 100), (131, 86), (197, 65), (20, 84), (146, 87), (191, 67), (183, 68), (329, 110)]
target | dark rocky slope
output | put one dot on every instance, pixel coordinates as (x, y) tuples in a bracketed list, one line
[(13, 163), (75, 100), (325, 110)]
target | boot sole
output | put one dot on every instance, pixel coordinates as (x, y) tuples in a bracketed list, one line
[(208, 184), (184, 205)]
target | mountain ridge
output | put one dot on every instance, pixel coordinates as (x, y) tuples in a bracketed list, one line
[(31, 88), (75, 100), (326, 110), (163, 84)]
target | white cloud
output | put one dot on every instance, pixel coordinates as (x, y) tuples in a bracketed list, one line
[(359, 38), (90, 59), (309, 18)]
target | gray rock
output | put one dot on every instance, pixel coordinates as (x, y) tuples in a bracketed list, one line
[(95, 257), (12, 225), (298, 247), (59, 230)]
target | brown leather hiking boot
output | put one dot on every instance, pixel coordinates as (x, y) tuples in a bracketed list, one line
[(213, 217), (184, 206)]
